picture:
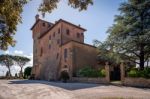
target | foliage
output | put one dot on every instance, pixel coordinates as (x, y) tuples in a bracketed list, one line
[(64, 76), (27, 72), (133, 73), (102, 73), (139, 73), (131, 31), (10, 16), (10, 60), (49, 5), (21, 61), (6, 60), (106, 53), (89, 72)]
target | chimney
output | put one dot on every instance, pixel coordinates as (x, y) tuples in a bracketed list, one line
[(37, 17), (56, 21)]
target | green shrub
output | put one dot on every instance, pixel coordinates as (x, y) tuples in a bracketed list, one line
[(27, 72), (146, 73), (102, 73), (89, 72), (139, 73), (86, 72), (133, 73)]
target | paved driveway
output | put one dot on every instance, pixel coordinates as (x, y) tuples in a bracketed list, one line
[(33, 89)]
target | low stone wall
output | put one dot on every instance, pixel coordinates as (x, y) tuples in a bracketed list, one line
[(90, 80), (137, 82)]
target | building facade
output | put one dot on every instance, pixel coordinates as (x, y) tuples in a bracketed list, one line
[(59, 46)]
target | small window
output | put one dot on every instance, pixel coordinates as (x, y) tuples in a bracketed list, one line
[(65, 66), (41, 52), (54, 34), (68, 32), (65, 54), (82, 34), (50, 37), (59, 31), (49, 25), (43, 24), (49, 46), (78, 35), (58, 41), (57, 56)]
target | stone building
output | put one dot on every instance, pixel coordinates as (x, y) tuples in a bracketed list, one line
[(59, 46)]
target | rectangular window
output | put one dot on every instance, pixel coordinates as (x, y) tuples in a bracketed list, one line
[(54, 34), (49, 25), (43, 24), (65, 54), (50, 37), (58, 41), (41, 52), (59, 31), (57, 56), (78, 35), (67, 32), (49, 46)]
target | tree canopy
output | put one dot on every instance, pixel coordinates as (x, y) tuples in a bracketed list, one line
[(27, 71), (21, 61), (10, 16), (130, 35), (10, 60), (6, 60)]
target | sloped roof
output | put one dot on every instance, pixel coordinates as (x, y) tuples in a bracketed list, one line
[(61, 20), (78, 43), (38, 21)]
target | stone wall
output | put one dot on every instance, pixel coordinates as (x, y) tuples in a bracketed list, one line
[(90, 80), (137, 82), (79, 55)]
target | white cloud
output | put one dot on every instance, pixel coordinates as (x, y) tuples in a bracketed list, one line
[(6, 52), (18, 52)]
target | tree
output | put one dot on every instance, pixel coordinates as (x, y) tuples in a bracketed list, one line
[(27, 71), (106, 53), (10, 16), (6, 60), (49, 5), (21, 61), (130, 35)]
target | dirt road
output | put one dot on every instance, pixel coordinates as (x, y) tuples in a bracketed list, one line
[(33, 89)]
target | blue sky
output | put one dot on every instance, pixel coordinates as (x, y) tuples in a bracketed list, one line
[(96, 19)]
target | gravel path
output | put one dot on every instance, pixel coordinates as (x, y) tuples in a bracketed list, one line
[(34, 89)]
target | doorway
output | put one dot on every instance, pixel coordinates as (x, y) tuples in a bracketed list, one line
[(115, 74)]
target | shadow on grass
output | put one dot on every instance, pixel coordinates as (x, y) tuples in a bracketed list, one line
[(67, 86)]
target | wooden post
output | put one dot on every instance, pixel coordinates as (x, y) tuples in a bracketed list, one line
[(107, 68), (122, 70)]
